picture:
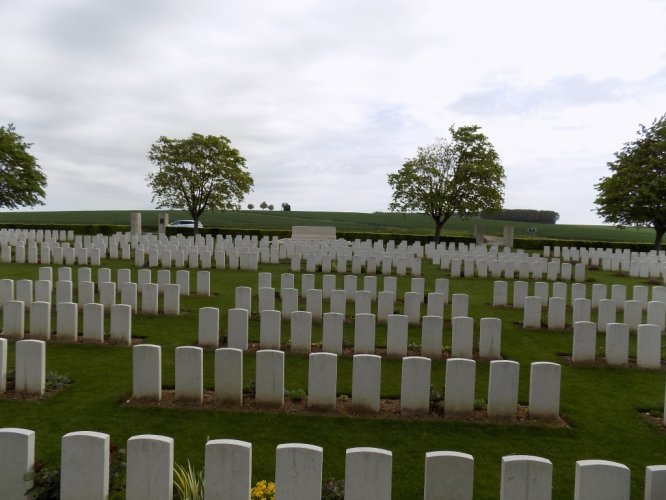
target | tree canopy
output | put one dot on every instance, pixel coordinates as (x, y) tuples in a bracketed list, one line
[(460, 175), (635, 192), (198, 173), (22, 181)]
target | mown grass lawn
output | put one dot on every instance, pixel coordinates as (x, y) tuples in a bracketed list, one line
[(601, 405)]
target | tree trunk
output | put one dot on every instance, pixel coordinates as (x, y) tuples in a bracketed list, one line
[(658, 236), (195, 229), (438, 229)]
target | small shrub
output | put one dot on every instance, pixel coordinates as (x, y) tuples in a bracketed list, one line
[(295, 394), (263, 490), (480, 404), (333, 489), (250, 388), (56, 381), (188, 484), (45, 482)]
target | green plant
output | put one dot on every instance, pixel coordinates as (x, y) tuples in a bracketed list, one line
[(436, 399), (263, 490), (250, 388), (56, 381), (295, 394), (45, 482), (333, 489), (188, 483)]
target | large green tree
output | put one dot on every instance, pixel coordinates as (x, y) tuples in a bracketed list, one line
[(22, 181), (198, 173), (635, 192), (457, 175)]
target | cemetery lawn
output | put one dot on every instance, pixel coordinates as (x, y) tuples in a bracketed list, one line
[(600, 404), (378, 222)]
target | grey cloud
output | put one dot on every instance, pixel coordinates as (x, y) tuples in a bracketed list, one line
[(506, 98)]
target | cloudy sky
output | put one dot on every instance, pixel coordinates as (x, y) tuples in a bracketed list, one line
[(325, 98)]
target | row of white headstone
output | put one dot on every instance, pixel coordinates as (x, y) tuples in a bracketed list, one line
[(67, 322), (618, 293), (29, 367), (449, 475), (364, 339), (459, 383)]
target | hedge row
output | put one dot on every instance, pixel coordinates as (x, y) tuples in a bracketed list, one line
[(535, 244)]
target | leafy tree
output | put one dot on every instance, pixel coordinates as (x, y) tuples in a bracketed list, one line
[(22, 181), (198, 173), (271, 207), (286, 207), (462, 175), (635, 192), (250, 206), (263, 205)]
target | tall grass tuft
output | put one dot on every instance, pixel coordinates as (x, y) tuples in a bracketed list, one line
[(188, 483)]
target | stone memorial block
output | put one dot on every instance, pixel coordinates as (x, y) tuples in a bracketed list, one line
[(332, 332), (229, 375), (655, 482), (350, 286), (584, 341), (147, 372), (163, 278), (599, 291), (63, 291), (209, 327), (557, 307), (107, 294), (183, 281), (641, 293), (30, 362), (396, 335), (560, 290), (189, 374), (500, 292), (307, 283), (462, 333), (526, 477), (579, 272), (385, 306), (4, 346), (582, 310), (544, 396), (456, 267), (633, 314), (503, 389), (237, 328), (17, 459), (553, 270), (602, 480), (509, 269), (370, 285), (328, 284), (120, 330), (326, 264), (270, 378), (244, 298), (658, 293), (368, 474), (43, 291), (313, 303), (24, 292), (357, 264), (228, 469), (459, 383), (123, 276), (298, 471), (93, 322), (495, 267), (566, 271), (67, 322), (541, 290), (532, 312), (84, 466), (65, 273), (301, 331), (264, 280), (490, 338), (149, 467), (449, 475), (144, 276), (415, 385), (40, 321), (435, 304), (322, 380), (418, 286), (523, 270), (619, 296), (648, 349), (266, 298), (412, 307), (203, 283), (149, 299), (193, 258), (656, 314), (13, 319), (128, 296), (366, 382), (606, 314), (519, 294), (104, 275), (617, 344)]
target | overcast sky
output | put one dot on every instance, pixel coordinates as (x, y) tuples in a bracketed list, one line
[(325, 98)]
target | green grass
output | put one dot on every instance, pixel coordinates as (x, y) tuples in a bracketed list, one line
[(347, 221), (600, 404)]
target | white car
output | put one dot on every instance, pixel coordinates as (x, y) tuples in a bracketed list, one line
[(185, 224)]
